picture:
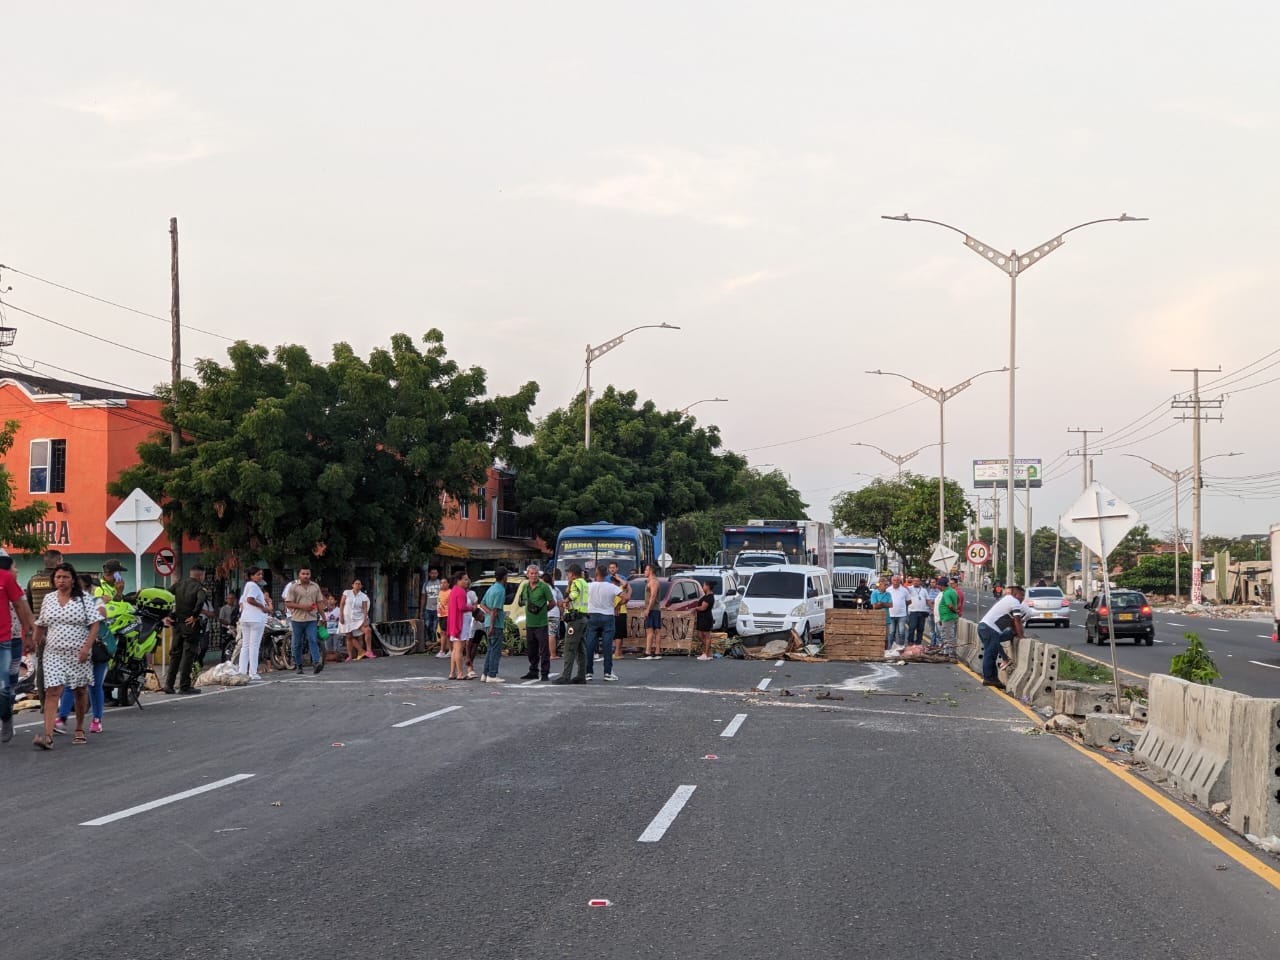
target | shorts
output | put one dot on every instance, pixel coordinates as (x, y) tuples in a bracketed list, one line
[(442, 623), (653, 620)]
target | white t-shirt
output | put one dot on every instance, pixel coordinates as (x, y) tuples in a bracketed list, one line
[(1006, 606), (468, 618), (248, 612), (355, 608), (899, 596), (600, 597), (919, 602), (553, 612)]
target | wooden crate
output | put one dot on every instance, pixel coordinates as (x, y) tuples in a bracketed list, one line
[(854, 634)]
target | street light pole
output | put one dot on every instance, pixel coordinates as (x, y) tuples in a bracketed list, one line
[(595, 353), (707, 400), (1177, 476), (1012, 264), (898, 459), (940, 396)]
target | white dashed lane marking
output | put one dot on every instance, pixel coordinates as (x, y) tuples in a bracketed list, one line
[(426, 716), (667, 815), (763, 684), (165, 801), (1269, 666), (733, 726)]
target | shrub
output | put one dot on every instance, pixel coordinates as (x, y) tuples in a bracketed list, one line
[(1194, 664)]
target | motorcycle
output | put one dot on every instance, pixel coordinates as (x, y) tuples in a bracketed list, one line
[(136, 621)]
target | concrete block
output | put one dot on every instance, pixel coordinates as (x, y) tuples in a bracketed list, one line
[(1084, 699), (968, 646), (1024, 666), (1040, 689), (1188, 736), (1255, 767), (1109, 730)]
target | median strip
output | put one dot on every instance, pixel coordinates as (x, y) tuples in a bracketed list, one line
[(165, 801), (667, 815)]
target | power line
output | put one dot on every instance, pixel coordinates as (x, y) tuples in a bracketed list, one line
[(18, 368), (112, 303), (827, 433), (91, 336)]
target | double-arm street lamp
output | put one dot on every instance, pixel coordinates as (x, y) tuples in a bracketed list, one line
[(897, 458), (1177, 476), (940, 395), (1012, 264), (707, 400), (595, 353)]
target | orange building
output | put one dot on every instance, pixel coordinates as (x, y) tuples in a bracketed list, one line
[(71, 440), (481, 533)]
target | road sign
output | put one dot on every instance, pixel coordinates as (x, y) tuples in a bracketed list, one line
[(165, 562), (136, 524), (1099, 519), (664, 561), (977, 553), (943, 558)]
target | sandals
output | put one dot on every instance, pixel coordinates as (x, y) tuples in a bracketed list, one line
[(79, 739), (43, 741)]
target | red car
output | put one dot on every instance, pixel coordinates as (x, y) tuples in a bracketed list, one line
[(675, 593)]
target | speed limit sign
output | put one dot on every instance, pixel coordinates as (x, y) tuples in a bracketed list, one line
[(977, 553)]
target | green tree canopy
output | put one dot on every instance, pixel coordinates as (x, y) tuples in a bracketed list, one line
[(287, 458), (14, 524), (644, 465), (1137, 541), (695, 536), (904, 511), (1152, 574)]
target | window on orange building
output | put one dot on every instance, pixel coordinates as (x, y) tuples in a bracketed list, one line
[(482, 509), (48, 466), (465, 509)]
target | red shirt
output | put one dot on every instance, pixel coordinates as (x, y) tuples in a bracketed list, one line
[(10, 592), (960, 598), (457, 607)]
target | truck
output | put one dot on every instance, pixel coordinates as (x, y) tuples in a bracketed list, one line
[(858, 561), (761, 542)]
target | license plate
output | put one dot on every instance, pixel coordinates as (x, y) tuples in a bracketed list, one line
[(1125, 616)]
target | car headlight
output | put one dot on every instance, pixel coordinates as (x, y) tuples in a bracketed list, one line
[(743, 609), (798, 610)]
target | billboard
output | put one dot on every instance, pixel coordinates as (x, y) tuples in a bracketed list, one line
[(995, 473)]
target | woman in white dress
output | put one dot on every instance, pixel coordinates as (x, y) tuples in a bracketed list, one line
[(65, 631)]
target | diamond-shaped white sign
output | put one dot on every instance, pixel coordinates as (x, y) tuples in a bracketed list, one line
[(1100, 519), (943, 558), (136, 522)]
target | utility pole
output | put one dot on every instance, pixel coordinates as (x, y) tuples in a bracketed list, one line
[(1026, 540), (175, 327), (1057, 542), (1197, 406), (995, 536), (1086, 561)]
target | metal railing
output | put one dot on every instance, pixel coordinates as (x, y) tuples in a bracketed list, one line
[(510, 528)]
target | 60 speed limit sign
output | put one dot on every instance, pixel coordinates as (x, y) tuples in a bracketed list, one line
[(977, 553)]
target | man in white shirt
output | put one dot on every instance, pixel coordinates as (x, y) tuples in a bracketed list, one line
[(917, 610), (899, 597), (600, 623), (1002, 622)]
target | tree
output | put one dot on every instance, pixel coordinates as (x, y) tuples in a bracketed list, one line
[(696, 535), (1135, 542), (15, 524), (286, 458), (904, 511), (1152, 574), (644, 465), (1043, 540)]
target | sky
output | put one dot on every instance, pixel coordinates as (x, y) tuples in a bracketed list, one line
[(533, 178)]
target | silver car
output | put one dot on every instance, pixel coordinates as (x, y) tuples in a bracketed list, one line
[(1051, 606), (724, 587)]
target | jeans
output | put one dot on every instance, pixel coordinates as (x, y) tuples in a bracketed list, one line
[(97, 700), (600, 628), (493, 649), (305, 630), (897, 631), (429, 622), (915, 625), (10, 658), (991, 640)]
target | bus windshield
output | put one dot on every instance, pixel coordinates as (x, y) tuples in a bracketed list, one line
[(600, 544)]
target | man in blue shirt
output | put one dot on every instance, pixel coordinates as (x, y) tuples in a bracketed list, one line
[(492, 604), (880, 598)]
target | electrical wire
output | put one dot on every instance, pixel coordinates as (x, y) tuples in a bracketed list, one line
[(91, 336), (112, 303), (827, 433), (18, 368)]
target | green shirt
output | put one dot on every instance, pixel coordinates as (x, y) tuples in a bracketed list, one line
[(947, 606), (539, 595)]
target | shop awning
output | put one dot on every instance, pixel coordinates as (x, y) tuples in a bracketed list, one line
[(475, 548)]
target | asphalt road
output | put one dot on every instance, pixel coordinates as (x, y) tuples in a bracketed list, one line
[(386, 812)]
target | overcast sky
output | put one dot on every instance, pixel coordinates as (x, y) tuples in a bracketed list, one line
[(531, 178)]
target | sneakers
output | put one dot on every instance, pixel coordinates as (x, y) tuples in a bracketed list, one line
[(496, 680), (611, 676), (95, 726), (254, 676), (319, 666), (442, 655), (471, 674), (704, 657), (589, 676), (599, 657), (645, 657), (993, 683), (60, 725)]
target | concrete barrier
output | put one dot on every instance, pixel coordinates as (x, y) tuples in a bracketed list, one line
[(1040, 690), (969, 646), (1027, 664), (1188, 737), (1254, 775)]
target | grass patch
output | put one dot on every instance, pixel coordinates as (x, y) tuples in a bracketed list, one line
[(1083, 671)]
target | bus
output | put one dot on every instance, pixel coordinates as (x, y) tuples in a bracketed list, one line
[(602, 543)]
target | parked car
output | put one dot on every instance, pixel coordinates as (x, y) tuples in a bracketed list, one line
[(1130, 612), (1051, 606), (724, 586), (674, 593), (513, 612)]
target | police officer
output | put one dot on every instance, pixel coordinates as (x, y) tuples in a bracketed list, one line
[(575, 618), (189, 598)]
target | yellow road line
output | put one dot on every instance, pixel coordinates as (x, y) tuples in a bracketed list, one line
[(1239, 854)]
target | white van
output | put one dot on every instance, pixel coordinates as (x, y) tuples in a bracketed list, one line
[(786, 597)]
